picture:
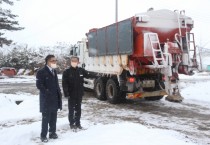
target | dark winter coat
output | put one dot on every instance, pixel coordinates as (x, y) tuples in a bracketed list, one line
[(50, 93), (72, 81)]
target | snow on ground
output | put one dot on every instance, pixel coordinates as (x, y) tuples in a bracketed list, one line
[(196, 87), (18, 79), (21, 79), (122, 133), (197, 92), (205, 61), (195, 77), (112, 134)]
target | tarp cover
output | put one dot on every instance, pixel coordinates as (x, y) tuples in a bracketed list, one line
[(111, 40)]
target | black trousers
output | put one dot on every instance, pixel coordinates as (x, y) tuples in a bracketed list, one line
[(74, 106), (48, 118)]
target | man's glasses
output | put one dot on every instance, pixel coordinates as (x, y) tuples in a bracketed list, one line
[(53, 60), (74, 60)]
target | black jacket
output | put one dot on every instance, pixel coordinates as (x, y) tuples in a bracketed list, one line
[(50, 93), (72, 81)]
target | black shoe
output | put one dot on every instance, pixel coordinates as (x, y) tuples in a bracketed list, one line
[(44, 139), (72, 126), (53, 136), (79, 127)]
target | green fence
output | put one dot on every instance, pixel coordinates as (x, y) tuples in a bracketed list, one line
[(208, 67)]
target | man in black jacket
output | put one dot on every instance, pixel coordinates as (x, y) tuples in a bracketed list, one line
[(72, 81), (50, 97)]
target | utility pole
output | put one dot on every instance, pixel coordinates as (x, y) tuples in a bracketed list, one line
[(200, 56), (116, 11)]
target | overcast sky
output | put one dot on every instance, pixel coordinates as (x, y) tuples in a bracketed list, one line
[(49, 21)]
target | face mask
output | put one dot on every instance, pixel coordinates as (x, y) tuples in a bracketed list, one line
[(74, 64), (53, 65)]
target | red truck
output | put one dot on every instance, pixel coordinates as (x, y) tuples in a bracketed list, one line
[(139, 57)]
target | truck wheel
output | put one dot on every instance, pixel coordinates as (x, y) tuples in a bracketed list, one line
[(123, 97), (113, 93), (100, 89), (153, 98), (88, 90)]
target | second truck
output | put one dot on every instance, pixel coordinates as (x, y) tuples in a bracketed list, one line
[(139, 57)]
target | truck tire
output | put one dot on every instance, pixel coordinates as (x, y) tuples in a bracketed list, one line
[(100, 89), (113, 93), (88, 89)]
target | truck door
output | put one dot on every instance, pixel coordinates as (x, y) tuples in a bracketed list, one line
[(80, 53), (78, 50)]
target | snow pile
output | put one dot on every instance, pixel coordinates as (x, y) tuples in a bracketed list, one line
[(10, 110), (122, 134), (6, 102)]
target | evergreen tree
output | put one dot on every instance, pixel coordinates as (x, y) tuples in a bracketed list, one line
[(7, 22)]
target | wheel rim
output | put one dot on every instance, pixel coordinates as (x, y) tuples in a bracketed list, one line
[(98, 89), (110, 91)]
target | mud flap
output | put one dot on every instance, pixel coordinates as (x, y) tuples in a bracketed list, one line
[(140, 94)]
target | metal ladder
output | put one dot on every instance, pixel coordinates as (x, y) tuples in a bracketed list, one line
[(159, 60), (189, 42)]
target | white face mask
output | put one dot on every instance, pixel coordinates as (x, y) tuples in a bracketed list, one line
[(53, 65), (74, 64)]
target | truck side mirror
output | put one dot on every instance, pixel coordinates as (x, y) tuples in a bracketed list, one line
[(71, 52), (83, 65)]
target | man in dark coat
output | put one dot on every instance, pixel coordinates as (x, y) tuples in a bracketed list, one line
[(50, 97), (72, 82)]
